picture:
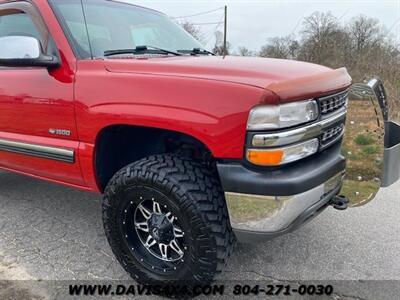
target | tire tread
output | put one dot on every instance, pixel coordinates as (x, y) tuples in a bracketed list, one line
[(197, 187)]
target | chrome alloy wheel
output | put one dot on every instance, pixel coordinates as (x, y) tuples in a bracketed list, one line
[(151, 230), (158, 231)]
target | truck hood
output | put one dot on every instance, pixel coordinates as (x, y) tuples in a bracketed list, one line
[(289, 79)]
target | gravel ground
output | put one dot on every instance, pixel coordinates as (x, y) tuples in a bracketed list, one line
[(50, 232)]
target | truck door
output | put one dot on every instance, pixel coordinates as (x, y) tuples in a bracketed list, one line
[(37, 121)]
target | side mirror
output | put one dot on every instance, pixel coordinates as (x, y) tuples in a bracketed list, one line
[(24, 51), (371, 143), (390, 110)]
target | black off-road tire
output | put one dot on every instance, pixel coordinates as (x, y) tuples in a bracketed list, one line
[(194, 195)]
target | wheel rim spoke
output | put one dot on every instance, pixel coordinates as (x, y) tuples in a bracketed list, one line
[(150, 242), (174, 246), (178, 233), (145, 212), (170, 217), (158, 230), (164, 251), (156, 208), (143, 226)]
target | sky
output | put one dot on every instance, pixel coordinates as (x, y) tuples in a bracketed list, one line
[(252, 22)]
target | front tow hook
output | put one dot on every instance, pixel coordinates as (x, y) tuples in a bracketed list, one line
[(339, 202)]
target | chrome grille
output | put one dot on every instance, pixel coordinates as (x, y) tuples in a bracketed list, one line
[(332, 103), (331, 135)]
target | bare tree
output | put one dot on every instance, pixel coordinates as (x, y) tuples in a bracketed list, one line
[(364, 32), (243, 51), (368, 51), (280, 47), (321, 36), (219, 44), (193, 30)]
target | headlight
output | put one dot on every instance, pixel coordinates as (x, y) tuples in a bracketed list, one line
[(282, 116), (284, 155)]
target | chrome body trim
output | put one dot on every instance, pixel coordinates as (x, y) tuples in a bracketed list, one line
[(270, 215), (336, 102), (299, 134), (305, 149), (345, 92), (59, 154)]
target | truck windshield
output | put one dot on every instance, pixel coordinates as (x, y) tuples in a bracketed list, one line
[(105, 25)]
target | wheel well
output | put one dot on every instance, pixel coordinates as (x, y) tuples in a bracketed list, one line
[(120, 145)]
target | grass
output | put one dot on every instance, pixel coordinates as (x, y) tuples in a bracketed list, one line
[(363, 148), (362, 139), (360, 192), (243, 208), (371, 149), (346, 152)]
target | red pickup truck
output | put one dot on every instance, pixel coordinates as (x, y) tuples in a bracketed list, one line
[(191, 151)]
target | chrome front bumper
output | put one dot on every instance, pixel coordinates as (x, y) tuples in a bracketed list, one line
[(259, 217)]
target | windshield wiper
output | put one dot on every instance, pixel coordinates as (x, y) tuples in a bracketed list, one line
[(141, 50), (197, 51)]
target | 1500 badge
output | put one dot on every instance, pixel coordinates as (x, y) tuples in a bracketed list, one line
[(60, 132)]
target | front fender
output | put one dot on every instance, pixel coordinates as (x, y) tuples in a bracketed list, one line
[(223, 136), (213, 112)]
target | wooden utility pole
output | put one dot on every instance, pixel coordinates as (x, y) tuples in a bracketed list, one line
[(225, 31)]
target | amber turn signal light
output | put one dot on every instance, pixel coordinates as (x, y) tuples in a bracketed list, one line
[(281, 156), (265, 158)]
